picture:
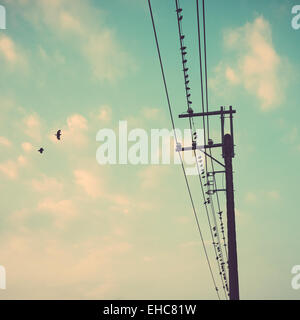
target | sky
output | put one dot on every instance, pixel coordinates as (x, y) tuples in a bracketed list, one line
[(71, 228)]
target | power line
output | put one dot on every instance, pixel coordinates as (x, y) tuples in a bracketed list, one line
[(175, 136), (179, 12), (207, 109), (205, 64), (228, 154)]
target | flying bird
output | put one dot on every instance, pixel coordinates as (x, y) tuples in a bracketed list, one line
[(41, 150), (58, 134)]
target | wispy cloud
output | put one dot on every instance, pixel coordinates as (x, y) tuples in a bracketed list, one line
[(5, 142), (32, 126), (61, 210), (10, 52), (82, 26), (90, 184), (255, 64), (9, 169)]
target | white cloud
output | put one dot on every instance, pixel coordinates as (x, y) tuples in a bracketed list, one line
[(68, 22), (10, 169), (255, 64), (77, 121), (82, 26), (151, 113), (32, 125), (22, 161), (27, 147), (108, 61), (47, 184), (73, 133), (231, 76), (5, 142), (57, 269), (7, 49), (104, 113), (90, 184), (151, 176), (62, 210), (10, 52)]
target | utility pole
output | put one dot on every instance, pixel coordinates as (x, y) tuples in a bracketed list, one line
[(231, 233), (227, 145)]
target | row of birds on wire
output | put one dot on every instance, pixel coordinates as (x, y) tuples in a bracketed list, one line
[(58, 137)]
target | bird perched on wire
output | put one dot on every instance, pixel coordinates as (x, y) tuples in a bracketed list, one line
[(41, 150), (58, 134)]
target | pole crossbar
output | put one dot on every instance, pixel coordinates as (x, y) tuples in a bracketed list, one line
[(205, 114)]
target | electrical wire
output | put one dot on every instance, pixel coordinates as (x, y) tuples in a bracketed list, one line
[(175, 136), (207, 108), (219, 259)]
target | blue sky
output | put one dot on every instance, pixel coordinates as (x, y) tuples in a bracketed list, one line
[(71, 228)]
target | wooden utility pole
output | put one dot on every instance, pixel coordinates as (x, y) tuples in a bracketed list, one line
[(231, 232), (227, 144)]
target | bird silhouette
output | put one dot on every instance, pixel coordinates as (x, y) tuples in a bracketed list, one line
[(58, 134), (41, 150)]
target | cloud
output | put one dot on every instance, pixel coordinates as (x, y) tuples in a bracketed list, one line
[(251, 197), (96, 186), (32, 127), (10, 169), (7, 49), (104, 113), (62, 210), (151, 113), (81, 26), (54, 268), (47, 184), (68, 22), (74, 132), (77, 121), (5, 142), (90, 184), (27, 147), (255, 64), (107, 59), (22, 161), (262, 195), (151, 176), (273, 194), (10, 52), (54, 58), (231, 76)]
